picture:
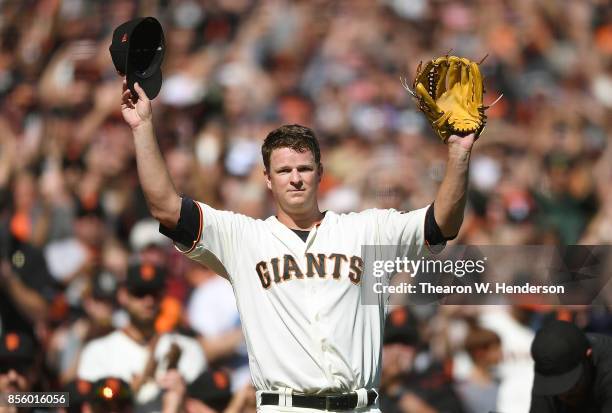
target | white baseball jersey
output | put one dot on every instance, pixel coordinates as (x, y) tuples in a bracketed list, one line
[(300, 302)]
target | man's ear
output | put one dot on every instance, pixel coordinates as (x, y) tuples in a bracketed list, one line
[(320, 171), (589, 352), (267, 178)]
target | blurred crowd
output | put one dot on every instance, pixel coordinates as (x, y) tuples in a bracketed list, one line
[(93, 300)]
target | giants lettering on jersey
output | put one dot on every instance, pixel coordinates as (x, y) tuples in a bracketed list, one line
[(317, 265)]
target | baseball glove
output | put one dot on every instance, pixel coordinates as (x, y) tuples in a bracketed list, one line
[(449, 90)]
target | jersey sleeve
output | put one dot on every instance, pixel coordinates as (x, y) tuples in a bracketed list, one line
[(207, 235), (405, 229), (188, 228)]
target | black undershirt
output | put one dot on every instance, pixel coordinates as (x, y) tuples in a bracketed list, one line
[(302, 234)]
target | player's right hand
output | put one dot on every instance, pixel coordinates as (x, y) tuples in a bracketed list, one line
[(135, 114)]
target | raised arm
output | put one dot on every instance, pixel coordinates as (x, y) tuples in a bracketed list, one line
[(163, 201), (451, 197), (28, 301)]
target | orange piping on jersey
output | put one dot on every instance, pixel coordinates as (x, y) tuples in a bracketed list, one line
[(428, 245), (201, 223), (195, 242)]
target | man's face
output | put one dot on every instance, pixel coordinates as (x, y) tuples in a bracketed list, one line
[(90, 230), (293, 179), (490, 355), (398, 359), (15, 377), (142, 307), (100, 311), (579, 392)]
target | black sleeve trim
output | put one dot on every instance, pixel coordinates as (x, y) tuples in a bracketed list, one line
[(433, 233), (188, 229)]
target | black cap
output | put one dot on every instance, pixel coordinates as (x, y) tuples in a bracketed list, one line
[(212, 387), (27, 259), (145, 278), (111, 391), (89, 207), (401, 327), (559, 351), (79, 390), (104, 286), (17, 347), (137, 51)]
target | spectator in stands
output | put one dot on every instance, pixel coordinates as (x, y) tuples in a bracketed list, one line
[(26, 287), (20, 363), (68, 341), (110, 395), (147, 360), (212, 313), (79, 392), (573, 370), (478, 392), (211, 391), (412, 381)]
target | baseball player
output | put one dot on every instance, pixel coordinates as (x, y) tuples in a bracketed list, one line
[(296, 275)]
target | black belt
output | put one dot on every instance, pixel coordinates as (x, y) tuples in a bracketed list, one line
[(347, 401)]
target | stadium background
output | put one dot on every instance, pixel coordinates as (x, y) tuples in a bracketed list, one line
[(235, 69)]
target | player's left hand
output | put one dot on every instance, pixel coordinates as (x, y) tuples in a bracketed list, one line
[(449, 91)]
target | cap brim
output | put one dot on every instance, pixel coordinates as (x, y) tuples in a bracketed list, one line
[(17, 361), (146, 289), (151, 85), (555, 385)]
